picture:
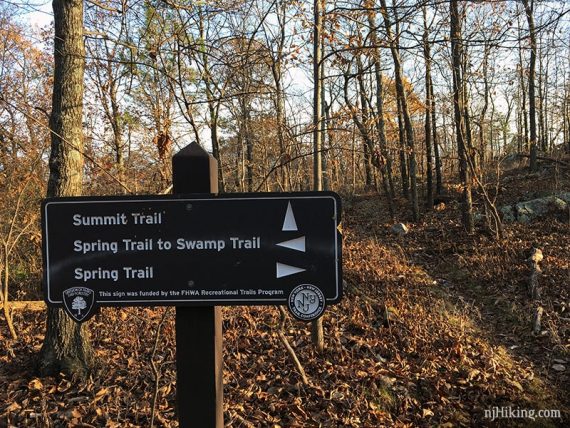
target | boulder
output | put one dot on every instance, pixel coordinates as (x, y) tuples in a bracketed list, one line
[(542, 207), (525, 212), (399, 229), (508, 213)]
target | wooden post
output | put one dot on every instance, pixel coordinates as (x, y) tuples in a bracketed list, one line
[(199, 382)]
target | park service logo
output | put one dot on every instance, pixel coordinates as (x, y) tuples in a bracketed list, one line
[(78, 302)]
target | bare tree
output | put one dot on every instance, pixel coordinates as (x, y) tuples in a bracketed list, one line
[(66, 345), (528, 7), (402, 100), (459, 112), (428, 115), (385, 160), (317, 334)]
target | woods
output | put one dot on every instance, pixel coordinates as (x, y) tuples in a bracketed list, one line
[(426, 113), (237, 81)]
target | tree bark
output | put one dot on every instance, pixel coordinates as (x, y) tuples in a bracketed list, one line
[(528, 7), (213, 105), (317, 99), (428, 116), (386, 159), (401, 95), (279, 98), (368, 147), (438, 173), (402, 152), (482, 116), (458, 101), (317, 334), (566, 117), (66, 346)]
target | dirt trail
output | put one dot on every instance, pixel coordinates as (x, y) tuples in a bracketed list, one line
[(484, 282)]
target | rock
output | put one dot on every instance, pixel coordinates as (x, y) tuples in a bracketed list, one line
[(531, 210), (399, 229), (508, 213), (525, 212)]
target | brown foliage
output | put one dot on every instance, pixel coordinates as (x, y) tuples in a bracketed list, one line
[(434, 329)]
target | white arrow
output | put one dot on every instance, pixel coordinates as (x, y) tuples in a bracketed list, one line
[(286, 270), (297, 244), (289, 224)]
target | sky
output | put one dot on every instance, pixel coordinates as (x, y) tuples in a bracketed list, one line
[(37, 13)]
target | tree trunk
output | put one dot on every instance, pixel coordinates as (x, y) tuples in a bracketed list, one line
[(566, 117), (401, 95), (317, 334), (66, 345), (540, 133), (428, 116), (528, 7), (386, 159), (468, 135), (279, 99), (546, 142), (317, 99), (368, 147), (117, 125), (4, 295), (213, 106), (324, 152), (246, 123), (482, 116), (329, 165), (458, 107), (438, 173), (402, 152)]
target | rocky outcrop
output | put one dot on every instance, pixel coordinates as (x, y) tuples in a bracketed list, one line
[(549, 206)]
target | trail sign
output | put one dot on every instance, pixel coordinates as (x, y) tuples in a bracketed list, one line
[(184, 250)]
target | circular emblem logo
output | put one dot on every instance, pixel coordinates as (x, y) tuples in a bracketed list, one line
[(306, 302)]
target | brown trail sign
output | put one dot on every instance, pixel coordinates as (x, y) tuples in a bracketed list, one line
[(196, 251)]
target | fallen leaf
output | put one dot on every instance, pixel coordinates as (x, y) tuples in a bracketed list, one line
[(100, 394), (516, 384), (14, 407), (35, 385)]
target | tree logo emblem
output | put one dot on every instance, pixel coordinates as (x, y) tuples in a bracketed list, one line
[(78, 302)]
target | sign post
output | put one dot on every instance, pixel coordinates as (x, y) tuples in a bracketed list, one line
[(197, 251), (199, 363)]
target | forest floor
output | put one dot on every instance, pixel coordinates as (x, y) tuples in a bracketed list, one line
[(435, 328)]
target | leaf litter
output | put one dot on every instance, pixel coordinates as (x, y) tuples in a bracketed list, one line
[(434, 329)]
